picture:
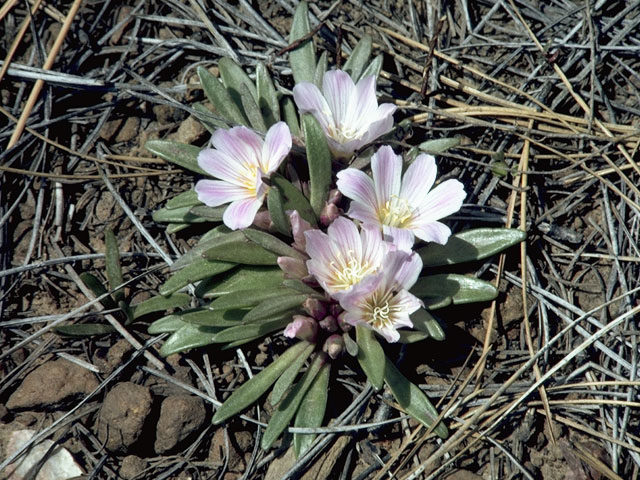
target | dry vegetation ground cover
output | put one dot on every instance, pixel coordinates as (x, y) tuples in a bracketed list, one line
[(545, 97)]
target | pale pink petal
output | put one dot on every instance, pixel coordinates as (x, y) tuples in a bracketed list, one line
[(338, 88), (216, 192), (380, 123), (357, 185), (433, 232), (277, 145), (392, 267), (318, 248), (346, 237), (441, 202), (406, 303), (363, 103), (240, 214), (220, 165), (373, 248), (386, 167), (354, 299), (345, 149), (239, 143), (418, 180), (309, 100), (390, 334), (407, 275), (365, 213), (401, 238), (298, 226)]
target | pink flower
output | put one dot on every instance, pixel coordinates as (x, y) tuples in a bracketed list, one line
[(402, 208), (342, 257), (240, 160), (348, 113), (381, 301)]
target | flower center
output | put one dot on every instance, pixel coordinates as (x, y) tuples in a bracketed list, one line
[(250, 175), (396, 212), (349, 271), (343, 133), (378, 311)]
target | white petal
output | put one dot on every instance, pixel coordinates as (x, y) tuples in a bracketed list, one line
[(386, 167), (277, 145)]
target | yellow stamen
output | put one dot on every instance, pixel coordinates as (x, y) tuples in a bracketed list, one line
[(349, 271), (396, 212)]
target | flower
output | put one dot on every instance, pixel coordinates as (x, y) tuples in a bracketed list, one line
[(402, 209), (240, 160), (381, 301), (348, 113), (342, 257)]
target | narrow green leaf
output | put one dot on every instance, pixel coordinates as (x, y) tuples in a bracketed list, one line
[(160, 304), (373, 68), (253, 389), (288, 407), (294, 199), (98, 289), (321, 69), (271, 243), (209, 214), (411, 336), (185, 199), (248, 298), (370, 356), (213, 237), (206, 117), (424, 321), (237, 343), (186, 338), (303, 57), (289, 376), (195, 272), (251, 109), (177, 227), (350, 345), (181, 154), (234, 77), (168, 324), (252, 330), (267, 95), (462, 289), (412, 399), (177, 215), (470, 245), (244, 278), (112, 265), (241, 251), (300, 286), (359, 58), (311, 411), (275, 204), (436, 303), (290, 115), (220, 98), (273, 306), (209, 318), (319, 160), (84, 329), (439, 145)]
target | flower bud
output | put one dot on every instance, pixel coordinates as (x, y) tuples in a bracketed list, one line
[(343, 324), (334, 346), (315, 308), (304, 328), (329, 323), (328, 214), (298, 227), (293, 267), (334, 197), (263, 221)]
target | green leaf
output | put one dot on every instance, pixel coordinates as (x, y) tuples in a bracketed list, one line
[(411, 398), (237, 343), (177, 215), (470, 245), (195, 272), (84, 329), (287, 409), (251, 109), (359, 58), (424, 321), (220, 98), (300, 286), (245, 278), (288, 377), (267, 96), (273, 306), (350, 345), (294, 199), (247, 298), (460, 288), (311, 411), (253, 389), (370, 356), (98, 289), (160, 304), (303, 57), (112, 264), (168, 324), (290, 115), (271, 243), (234, 77), (208, 214), (177, 227), (275, 204), (181, 154), (206, 117), (436, 303), (186, 338), (252, 330), (185, 199), (373, 68), (321, 69), (241, 251), (411, 336), (209, 318), (319, 160), (439, 145)]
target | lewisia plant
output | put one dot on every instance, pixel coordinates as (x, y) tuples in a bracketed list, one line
[(332, 292)]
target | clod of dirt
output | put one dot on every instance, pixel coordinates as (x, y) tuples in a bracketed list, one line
[(462, 475), (232, 447), (322, 467), (131, 466), (122, 416), (52, 383), (115, 356), (180, 415)]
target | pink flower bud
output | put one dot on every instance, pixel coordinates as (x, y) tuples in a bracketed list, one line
[(334, 196), (298, 227), (342, 324), (293, 267), (304, 328), (263, 221), (329, 323), (315, 308), (334, 346), (328, 214)]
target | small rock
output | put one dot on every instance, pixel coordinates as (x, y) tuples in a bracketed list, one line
[(180, 415), (190, 131), (52, 383), (132, 466), (129, 130), (221, 448), (123, 413)]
